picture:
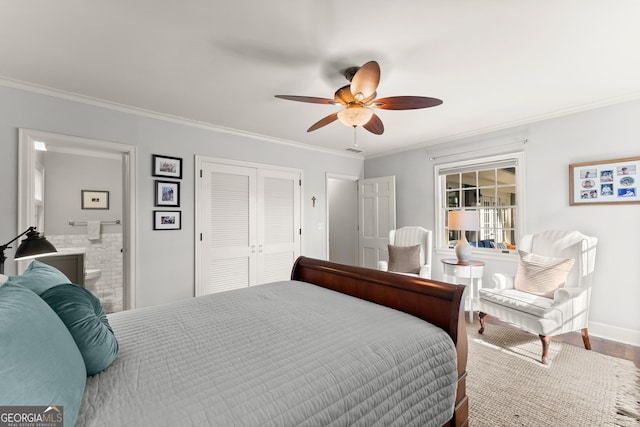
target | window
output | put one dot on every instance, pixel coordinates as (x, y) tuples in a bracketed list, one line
[(491, 186)]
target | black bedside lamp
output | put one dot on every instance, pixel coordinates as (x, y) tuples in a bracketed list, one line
[(32, 246)]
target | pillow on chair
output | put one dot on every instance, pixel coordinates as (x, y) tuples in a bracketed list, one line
[(541, 275), (404, 259)]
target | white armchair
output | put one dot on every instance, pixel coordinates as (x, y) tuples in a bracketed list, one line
[(406, 237), (562, 310)]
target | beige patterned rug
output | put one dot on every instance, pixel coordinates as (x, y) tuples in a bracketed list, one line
[(508, 386)]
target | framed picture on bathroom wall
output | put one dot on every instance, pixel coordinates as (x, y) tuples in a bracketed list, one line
[(605, 182), (168, 167), (167, 220), (167, 193), (93, 199)]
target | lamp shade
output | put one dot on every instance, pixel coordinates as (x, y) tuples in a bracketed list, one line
[(464, 220), (355, 115), (34, 245)]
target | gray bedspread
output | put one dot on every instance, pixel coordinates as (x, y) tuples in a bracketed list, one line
[(280, 354)]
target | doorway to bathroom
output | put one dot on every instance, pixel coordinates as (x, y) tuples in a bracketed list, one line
[(79, 192)]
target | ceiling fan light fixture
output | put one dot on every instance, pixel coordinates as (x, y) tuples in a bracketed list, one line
[(359, 98), (355, 115)]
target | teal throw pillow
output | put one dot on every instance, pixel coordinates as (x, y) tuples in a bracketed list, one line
[(40, 364), (39, 277), (85, 318)]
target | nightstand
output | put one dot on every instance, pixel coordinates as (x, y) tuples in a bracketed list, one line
[(471, 270)]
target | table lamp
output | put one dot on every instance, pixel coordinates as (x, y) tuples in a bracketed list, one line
[(463, 221), (34, 245)]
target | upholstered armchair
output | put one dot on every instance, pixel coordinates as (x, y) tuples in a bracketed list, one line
[(550, 293), (409, 252)]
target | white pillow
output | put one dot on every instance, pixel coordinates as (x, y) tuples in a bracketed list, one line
[(3, 279), (541, 275)]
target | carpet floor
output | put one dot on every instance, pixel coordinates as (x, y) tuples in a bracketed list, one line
[(508, 386)]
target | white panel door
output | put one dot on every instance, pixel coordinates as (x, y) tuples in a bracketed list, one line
[(377, 217), (248, 224), (228, 235), (278, 224)]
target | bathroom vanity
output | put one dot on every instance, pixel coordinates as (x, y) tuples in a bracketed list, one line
[(69, 261)]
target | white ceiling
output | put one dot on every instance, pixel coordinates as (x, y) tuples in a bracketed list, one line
[(495, 63)]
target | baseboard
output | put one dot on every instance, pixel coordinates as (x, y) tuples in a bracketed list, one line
[(615, 333)]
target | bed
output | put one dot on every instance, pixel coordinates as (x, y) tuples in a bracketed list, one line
[(290, 353)]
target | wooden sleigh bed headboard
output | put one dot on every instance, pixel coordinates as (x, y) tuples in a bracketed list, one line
[(435, 302)]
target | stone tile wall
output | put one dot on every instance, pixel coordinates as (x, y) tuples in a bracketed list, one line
[(104, 254)]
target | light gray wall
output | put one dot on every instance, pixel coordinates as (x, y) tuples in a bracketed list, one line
[(606, 133), (165, 258), (63, 189)]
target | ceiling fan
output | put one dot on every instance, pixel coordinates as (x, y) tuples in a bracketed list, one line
[(359, 98)]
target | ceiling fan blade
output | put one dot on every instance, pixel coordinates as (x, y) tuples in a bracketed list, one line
[(365, 81), (405, 102), (369, 100), (311, 99), (323, 122), (344, 95), (374, 125)]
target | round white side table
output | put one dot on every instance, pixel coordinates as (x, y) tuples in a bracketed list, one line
[(471, 270)]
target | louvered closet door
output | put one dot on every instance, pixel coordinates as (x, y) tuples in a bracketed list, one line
[(278, 224), (249, 221), (227, 218)]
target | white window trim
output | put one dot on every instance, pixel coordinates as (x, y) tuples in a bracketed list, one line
[(520, 197)]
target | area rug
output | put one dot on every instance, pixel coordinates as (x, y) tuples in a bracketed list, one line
[(508, 386)]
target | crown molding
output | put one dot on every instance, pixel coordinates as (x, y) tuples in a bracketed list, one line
[(101, 103)]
